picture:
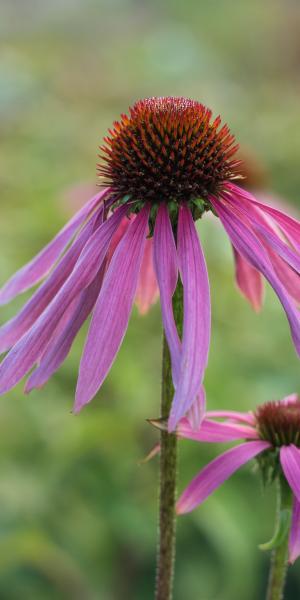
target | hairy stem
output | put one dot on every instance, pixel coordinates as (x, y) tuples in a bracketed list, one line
[(168, 470), (279, 559)]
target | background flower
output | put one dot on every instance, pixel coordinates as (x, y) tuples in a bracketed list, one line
[(274, 430)]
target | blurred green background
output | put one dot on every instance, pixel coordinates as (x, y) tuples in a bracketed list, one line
[(77, 511)]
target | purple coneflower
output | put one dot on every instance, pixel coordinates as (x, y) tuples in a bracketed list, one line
[(163, 167), (272, 432)]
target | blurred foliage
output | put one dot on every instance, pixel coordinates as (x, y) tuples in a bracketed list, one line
[(78, 513)]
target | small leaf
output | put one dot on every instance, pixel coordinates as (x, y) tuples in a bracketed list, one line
[(161, 423), (281, 531)]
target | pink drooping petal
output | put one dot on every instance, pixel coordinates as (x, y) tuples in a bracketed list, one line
[(14, 329), (249, 281), (213, 431), (285, 261), (165, 259), (195, 414), (290, 462), (264, 230), (216, 472), (166, 268), (288, 277), (232, 415), (58, 326), (32, 345), (294, 539), (196, 319), (250, 247), (39, 266), (63, 339), (112, 311), (147, 289), (290, 256), (288, 224)]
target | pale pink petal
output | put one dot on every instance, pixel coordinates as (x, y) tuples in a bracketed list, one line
[(290, 462), (39, 266), (243, 417), (166, 267), (147, 289), (249, 281), (216, 472), (291, 399), (112, 311), (250, 247), (196, 319), (32, 345), (14, 329), (75, 196), (294, 539), (213, 431)]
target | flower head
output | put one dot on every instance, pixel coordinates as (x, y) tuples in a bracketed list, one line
[(279, 422), (168, 149), (273, 437), (163, 166)]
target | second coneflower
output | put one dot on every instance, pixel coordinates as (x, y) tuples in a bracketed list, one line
[(272, 434), (163, 166)]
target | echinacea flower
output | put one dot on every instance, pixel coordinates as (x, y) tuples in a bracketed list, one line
[(163, 167), (272, 432)]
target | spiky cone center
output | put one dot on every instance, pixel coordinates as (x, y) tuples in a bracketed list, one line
[(168, 149), (279, 423)]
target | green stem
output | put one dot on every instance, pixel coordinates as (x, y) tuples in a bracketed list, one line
[(168, 471), (279, 559)]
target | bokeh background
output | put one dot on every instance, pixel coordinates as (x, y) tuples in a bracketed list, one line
[(77, 510)]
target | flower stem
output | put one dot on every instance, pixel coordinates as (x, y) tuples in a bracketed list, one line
[(279, 559), (168, 470)]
